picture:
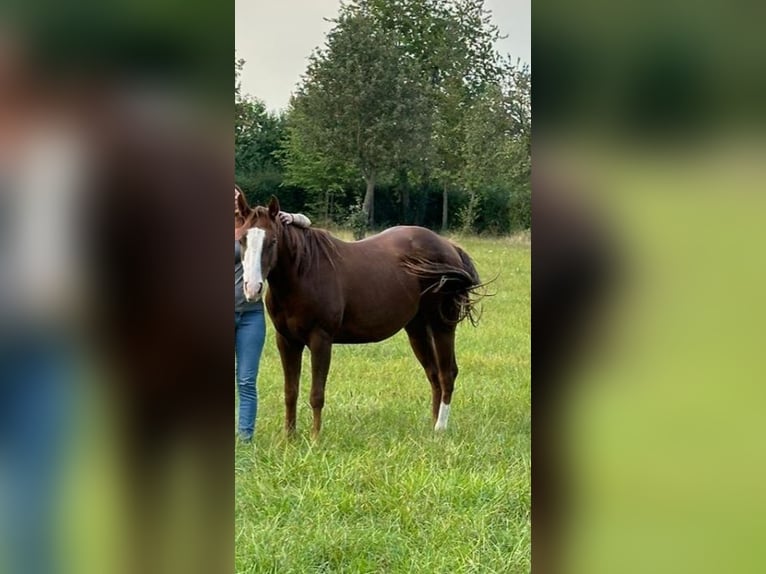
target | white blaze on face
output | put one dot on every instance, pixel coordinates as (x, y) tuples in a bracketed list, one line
[(441, 422), (252, 276)]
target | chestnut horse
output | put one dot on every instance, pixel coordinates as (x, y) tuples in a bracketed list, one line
[(323, 290)]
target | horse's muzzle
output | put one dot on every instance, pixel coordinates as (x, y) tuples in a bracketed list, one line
[(253, 294)]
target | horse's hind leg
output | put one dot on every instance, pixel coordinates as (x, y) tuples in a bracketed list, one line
[(444, 348), (291, 355), (422, 345)]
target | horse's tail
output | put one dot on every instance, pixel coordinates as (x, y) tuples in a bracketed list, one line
[(468, 301), (468, 266), (461, 285)]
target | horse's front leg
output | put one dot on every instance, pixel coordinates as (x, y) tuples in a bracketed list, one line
[(291, 354), (320, 344)]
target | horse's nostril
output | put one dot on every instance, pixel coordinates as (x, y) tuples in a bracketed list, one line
[(251, 293)]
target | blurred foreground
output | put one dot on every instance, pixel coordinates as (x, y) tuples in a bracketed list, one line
[(647, 374), (115, 149), (656, 417)]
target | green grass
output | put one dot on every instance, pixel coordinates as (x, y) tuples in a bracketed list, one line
[(380, 492)]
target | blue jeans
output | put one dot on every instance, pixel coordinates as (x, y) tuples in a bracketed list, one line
[(36, 400), (249, 336)]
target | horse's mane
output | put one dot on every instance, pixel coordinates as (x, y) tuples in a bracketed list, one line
[(308, 245)]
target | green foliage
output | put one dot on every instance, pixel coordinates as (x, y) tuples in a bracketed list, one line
[(380, 492), (306, 164), (357, 220), (520, 209), (496, 151), (258, 136), (468, 213)]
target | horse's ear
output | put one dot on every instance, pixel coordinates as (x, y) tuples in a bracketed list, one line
[(273, 207), (241, 204)]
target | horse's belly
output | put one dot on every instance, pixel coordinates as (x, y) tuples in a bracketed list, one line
[(373, 325), (350, 337)]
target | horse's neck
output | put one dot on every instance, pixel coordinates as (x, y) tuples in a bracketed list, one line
[(284, 274)]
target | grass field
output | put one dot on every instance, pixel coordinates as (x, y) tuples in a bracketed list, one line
[(380, 492)]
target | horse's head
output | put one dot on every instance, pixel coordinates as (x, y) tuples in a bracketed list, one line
[(257, 236)]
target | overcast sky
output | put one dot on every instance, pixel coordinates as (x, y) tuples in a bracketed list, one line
[(275, 37)]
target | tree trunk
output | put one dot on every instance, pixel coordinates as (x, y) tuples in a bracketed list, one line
[(369, 200), (404, 194), (445, 208), (406, 205)]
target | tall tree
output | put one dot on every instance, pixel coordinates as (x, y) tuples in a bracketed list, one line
[(407, 94), (468, 69), (496, 146), (309, 166), (453, 42), (361, 103)]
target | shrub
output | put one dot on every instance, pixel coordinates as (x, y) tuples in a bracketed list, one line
[(357, 220)]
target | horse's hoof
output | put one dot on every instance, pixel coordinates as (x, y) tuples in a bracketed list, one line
[(441, 420)]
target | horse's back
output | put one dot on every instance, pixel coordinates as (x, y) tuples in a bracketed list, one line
[(413, 241)]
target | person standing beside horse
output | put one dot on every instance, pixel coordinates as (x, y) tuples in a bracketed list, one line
[(250, 326), (45, 158)]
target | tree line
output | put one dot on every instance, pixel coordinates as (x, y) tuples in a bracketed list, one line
[(406, 114)]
